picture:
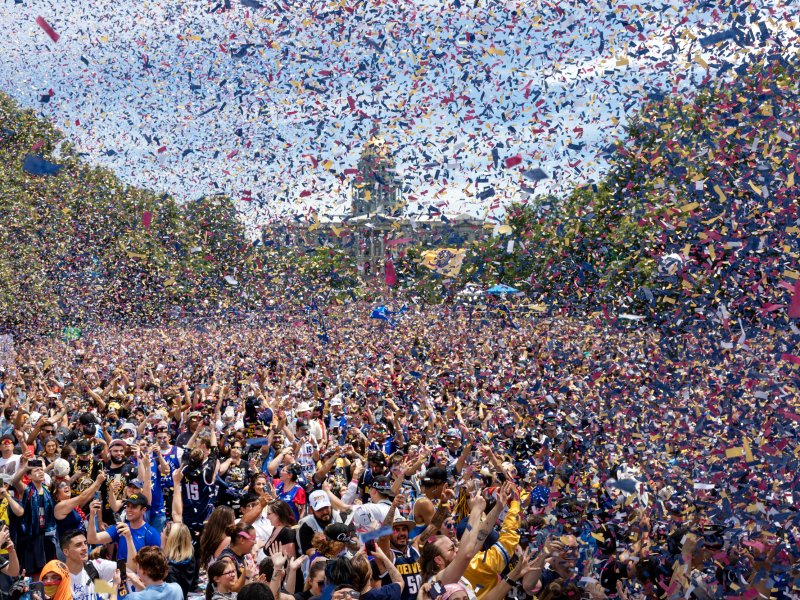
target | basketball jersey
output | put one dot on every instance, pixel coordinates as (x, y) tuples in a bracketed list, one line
[(198, 499), (408, 566)]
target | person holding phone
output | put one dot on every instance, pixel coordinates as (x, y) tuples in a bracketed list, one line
[(132, 535), (36, 530)]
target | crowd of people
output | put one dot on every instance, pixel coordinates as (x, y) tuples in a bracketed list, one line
[(444, 458)]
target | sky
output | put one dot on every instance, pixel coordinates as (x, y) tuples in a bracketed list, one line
[(271, 101)]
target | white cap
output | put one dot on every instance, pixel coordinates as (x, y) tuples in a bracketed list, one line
[(318, 500), (60, 468), (303, 407), (229, 413)]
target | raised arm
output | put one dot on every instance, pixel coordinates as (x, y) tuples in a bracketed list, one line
[(177, 496), (65, 507), (92, 535)]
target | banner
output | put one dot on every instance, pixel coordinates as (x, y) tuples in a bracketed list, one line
[(445, 261)]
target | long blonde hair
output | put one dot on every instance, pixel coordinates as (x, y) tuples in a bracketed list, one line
[(178, 545)]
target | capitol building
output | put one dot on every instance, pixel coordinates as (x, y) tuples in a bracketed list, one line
[(376, 223)]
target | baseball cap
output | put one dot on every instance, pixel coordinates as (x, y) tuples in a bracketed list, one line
[(302, 407), (435, 476), (400, 519), (453, 432), (135, 482), (83, 447), (137, 500), (318, 500), (114, 406), (382, 484), (118, 442), (339, 532), (60, 468), (8, 438)]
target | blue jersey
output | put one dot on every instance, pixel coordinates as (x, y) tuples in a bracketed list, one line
[(199, 490), (157, 500), (408, 566), (172, 459), (143, 536)]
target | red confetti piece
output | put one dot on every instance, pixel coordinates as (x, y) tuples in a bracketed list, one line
[(47, 29), (513, 161)]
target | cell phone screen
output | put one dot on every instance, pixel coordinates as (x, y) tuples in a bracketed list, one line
[(123, 569)]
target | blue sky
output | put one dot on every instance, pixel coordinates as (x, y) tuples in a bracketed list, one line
[(278, 101)]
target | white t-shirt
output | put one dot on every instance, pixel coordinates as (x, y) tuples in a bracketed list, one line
[(83, 589), (9, 466)]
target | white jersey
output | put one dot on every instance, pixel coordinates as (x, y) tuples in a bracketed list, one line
[(83, 588)]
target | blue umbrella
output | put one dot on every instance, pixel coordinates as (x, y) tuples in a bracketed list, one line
[(502, 289)]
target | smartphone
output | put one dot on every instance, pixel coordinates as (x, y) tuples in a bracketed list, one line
[(35, 462), (437, 590), (370, 546), (123, 569)]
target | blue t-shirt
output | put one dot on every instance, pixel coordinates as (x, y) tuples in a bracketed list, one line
[(144, 536), (165, 591)]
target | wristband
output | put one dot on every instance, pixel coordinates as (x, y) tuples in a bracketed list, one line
[(510, 581)]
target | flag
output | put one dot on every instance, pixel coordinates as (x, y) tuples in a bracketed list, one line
[(36, 165), (381, 312), (445, 261), (389, 274)]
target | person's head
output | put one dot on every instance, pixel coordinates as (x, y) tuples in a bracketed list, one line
[(37, 474), (434, 482), (47, 430), (376, 462), (221, 576), (438, 552), (243, 537), (289, 474), (345, 592), (320, 505), (51, 446), (55, 580), (195, 418), (221, 518), (339, 571), (74, 546), (327, 547), (362, 573), (315, 582), (136, 506), (237, 448), (399, 538), (61, 490), (177, 542), (162, 437), (117, 451), (565, 554), (152, 563), (7, 445), (281, 514), (255, 591), (258, 485)]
